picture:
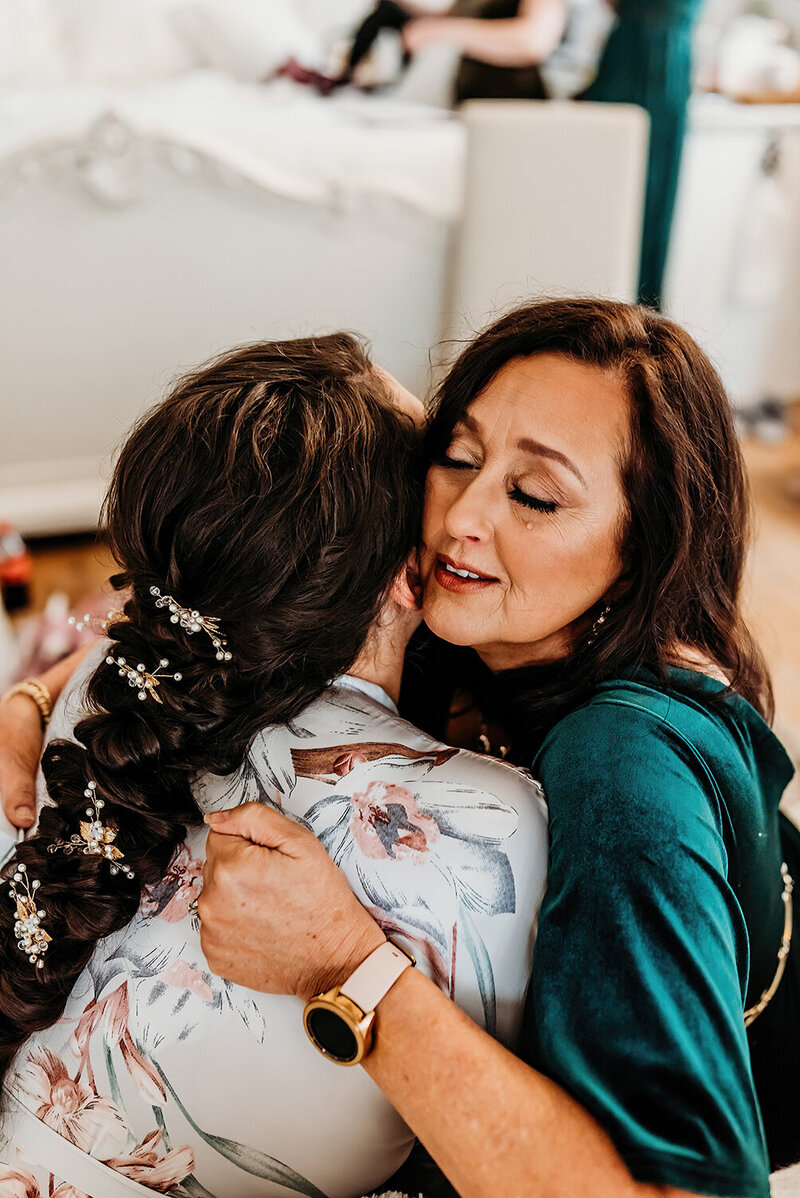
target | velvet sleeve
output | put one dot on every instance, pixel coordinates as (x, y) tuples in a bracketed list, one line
[(641, 960)]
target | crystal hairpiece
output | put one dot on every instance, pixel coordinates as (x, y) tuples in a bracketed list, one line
[(95, 838), (32, 939), (141, 679), (95, 623), (192, 621)]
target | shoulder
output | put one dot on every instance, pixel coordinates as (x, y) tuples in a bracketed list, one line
[(634, 761)]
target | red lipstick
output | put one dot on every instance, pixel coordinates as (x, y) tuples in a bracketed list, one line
[(459, 577)]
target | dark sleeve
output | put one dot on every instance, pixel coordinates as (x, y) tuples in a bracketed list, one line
[(641, 960)]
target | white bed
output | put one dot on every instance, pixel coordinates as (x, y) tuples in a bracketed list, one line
[(142, 232), (147, 223)]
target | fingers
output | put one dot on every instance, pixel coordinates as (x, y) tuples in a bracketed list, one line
[(20, 746), (262, 825), (20, 807), (17, 791)]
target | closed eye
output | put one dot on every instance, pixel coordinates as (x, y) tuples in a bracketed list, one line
[(531, 502), (454, 463)]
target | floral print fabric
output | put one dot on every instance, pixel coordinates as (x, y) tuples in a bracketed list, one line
[(190, 1085)]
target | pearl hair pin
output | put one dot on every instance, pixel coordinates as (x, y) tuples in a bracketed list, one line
[(192, 622), (95, 623), (142, 679), (32, 939), (95, 838)]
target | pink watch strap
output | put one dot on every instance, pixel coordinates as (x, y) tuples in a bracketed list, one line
[(375, 976)]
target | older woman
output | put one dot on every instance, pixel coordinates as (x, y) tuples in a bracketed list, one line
[(585, 530)]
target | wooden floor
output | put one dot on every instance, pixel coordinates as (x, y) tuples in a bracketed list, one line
[(79, 567), (773, 593)]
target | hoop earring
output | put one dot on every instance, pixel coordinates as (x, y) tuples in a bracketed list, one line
[(598, 624)]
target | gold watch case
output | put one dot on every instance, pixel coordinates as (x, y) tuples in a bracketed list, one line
[(338, 1028)]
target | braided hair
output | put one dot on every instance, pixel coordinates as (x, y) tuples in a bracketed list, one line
[(277, 490)]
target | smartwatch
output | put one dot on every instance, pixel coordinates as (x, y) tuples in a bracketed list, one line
[(339, 1022)]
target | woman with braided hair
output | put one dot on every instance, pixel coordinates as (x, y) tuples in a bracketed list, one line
[(262, 518)]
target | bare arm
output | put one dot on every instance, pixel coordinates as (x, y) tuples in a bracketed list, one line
[(519, 41), (21, 739), (278, 916)]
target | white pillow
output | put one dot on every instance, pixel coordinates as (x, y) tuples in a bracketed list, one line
[(32, 52), (121, 41), (248, 39), (332, 20), (45, 43)]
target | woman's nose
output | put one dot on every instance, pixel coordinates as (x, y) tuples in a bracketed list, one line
[(470, 518)]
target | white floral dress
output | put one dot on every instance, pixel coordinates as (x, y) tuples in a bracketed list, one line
[(191, 1085)]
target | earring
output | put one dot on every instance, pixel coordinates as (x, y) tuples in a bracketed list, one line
[(529, 526), (598, 624), (141, 679), (32, 939), (95, 838)]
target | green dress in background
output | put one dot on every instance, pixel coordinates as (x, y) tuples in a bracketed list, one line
[(661, 924), (647, 61)]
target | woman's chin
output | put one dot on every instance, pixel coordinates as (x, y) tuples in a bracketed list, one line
[(448, 627)]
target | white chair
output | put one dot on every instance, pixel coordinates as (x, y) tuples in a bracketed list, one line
[(553, 204), (785, 1183)]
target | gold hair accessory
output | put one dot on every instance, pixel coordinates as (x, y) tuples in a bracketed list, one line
[(95, 838), (38, 693), (32, 939), (95, 623), (140, 678), (192, 621)]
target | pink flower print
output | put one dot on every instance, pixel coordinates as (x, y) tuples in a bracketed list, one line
[(16, 1184), (159, 1173), (182, 975), (386, 822), (117, 1013), (345, 763), (92, 1124), (328, 764), (113, 1012), (68, 1191), (170, 898)]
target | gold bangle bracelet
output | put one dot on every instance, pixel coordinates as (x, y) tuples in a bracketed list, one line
[(38, 693)]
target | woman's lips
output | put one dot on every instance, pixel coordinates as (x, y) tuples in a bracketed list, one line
[(444, 573)]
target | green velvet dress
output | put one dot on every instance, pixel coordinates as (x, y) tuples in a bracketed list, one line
[(647, 61), (661, 924)]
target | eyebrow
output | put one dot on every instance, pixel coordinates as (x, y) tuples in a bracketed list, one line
[(536, 448)]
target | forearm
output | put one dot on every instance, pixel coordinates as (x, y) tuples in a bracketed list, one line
[(492, 1124), (21, 737), (515, 42)]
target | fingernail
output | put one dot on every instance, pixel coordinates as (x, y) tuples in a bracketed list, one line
[(211, 816), (25, 814)]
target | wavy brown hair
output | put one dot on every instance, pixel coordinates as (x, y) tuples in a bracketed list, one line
[(688, 522), (277, 489)]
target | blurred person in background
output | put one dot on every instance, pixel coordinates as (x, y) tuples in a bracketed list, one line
[(646, 61)]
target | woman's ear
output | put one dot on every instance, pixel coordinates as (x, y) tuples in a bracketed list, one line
[(406, 590)]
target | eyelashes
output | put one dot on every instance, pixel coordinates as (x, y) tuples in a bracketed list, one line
[(531, 502)]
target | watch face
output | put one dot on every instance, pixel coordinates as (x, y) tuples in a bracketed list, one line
[(332, 1035)]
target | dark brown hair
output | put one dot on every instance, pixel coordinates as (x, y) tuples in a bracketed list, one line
[(688, 521), (278, 490)]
